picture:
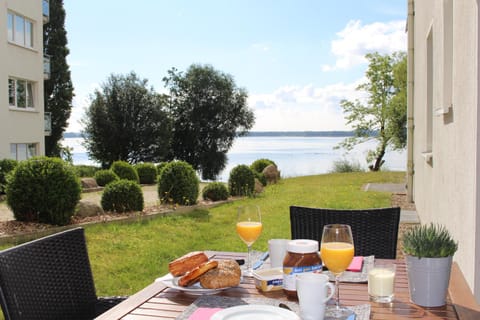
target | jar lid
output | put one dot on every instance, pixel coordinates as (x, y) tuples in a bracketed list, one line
[(302, 246)]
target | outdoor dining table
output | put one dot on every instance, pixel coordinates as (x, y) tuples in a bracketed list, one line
[(157, 301)]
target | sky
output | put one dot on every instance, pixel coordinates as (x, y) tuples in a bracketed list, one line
[(297, 59)]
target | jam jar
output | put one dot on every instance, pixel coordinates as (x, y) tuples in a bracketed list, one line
[(302, 256)]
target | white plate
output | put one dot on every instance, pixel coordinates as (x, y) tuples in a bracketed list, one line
[(172, 282), (255, 311)]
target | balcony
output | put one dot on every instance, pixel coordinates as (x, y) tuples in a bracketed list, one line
[(46, 11), (47, 120), (46, 67)]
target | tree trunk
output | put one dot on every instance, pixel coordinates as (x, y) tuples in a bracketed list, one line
[(378, 161)]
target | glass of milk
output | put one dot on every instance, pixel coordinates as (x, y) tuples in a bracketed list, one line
[(381, 282)]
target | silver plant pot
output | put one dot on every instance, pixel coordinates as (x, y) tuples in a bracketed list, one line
[(428, 280)]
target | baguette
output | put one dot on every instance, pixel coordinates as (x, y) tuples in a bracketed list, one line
[(182, 265), (194, 275)]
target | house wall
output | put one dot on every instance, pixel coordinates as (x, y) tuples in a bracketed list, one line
[(16, 125), (447, 165)]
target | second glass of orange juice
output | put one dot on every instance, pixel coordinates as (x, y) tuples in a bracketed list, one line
[(337, 252), (249, 228)]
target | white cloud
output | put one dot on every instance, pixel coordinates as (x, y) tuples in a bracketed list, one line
[(295, 108), (356, 40), (260, 47)]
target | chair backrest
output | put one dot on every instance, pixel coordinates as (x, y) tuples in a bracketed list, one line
[(375, 231), (48, 278)]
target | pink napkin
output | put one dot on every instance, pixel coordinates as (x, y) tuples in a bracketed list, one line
[(203, 313), (356, 265)]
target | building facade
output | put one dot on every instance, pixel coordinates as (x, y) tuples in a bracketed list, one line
[(22, 119), (444, 121)]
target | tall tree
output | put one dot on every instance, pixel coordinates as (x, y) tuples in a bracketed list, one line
[(383, 114), (58, 90), (127, 121), (209, 111)]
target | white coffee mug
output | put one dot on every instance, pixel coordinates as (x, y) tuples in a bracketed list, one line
[(312, 291), (277, 248)]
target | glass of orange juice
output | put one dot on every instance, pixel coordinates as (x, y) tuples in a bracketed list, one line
[(249, 227), (337, 251)]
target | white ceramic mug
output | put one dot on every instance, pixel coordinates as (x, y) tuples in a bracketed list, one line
[(312, 291), (277, 248)]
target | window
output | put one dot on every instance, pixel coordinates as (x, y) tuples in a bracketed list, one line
[(20, 93), (20, 30), (23, 151)]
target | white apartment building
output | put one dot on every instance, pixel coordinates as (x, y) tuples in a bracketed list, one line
[(22, 123), (444, 122)]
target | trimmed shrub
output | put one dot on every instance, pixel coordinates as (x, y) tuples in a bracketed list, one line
[(122, 196), (43, 189), (147, 172), (124, 170), (85, 171), (261, 178), (260, 164), (241, 181), (215, 191), (104, 177), (160, 167), (6, 166), (178, 183)]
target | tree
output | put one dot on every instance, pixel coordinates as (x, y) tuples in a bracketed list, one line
[(383, 114), (127, 121), (208, 111), (58, 90)]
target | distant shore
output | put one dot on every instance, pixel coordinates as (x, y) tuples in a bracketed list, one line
[(267, 134)]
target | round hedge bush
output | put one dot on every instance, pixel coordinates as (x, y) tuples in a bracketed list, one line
[(104, 177), (261, 177), (160, 167), (215, 191), (6, 166), (124, 170), (178, 183), (122, 196), (43, 189), (241, 181), (260, 164), (147, 172)]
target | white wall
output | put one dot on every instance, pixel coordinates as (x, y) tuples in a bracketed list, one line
[(21, 126), (446, 189)]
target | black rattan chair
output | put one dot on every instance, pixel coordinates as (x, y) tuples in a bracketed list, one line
[(375, 231), (50, 278)]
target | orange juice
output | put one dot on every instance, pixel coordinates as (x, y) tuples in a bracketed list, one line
[(249, 231), (337, 256)]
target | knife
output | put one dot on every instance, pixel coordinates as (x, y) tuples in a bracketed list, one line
[(260, 261)]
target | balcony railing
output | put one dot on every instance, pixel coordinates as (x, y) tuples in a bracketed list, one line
[(46, 11), (47, 116), (46, 67)]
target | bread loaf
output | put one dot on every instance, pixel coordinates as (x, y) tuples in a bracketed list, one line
[(193, 275), (182, 265), (226, 274)]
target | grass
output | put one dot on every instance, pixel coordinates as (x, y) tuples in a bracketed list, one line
[(126, 257)]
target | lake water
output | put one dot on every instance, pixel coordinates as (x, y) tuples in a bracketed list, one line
[(294, 156)]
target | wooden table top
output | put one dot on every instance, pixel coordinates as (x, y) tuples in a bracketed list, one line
[(158, 302)]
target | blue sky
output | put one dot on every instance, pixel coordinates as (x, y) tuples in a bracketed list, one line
[(296, 58)]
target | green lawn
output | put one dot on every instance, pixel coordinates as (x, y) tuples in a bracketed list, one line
[(126, 257)]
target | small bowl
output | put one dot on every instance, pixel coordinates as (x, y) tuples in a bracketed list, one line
[(269, 279)]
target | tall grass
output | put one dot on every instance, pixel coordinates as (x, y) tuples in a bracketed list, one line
[(126, 257)]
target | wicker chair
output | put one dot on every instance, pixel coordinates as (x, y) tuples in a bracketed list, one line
[(375, 231), (50, 278)]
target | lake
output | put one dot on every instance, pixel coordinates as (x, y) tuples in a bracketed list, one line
[(294, 156)]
